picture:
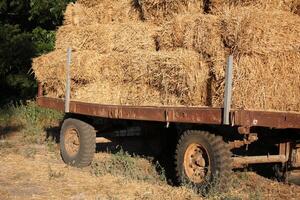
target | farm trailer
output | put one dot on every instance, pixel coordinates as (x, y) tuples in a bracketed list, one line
[(210, 142)]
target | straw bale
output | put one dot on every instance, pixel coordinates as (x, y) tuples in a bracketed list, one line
[(104, 11), (121, 37), (248, 30), (269, 82), (106, 92), (199, 32), (217, 6), (50, 70), (160, 10), (174, 78)]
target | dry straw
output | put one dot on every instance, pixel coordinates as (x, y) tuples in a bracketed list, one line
[(198, 32), (159, 10), (217, 6), (86, 12), (121, 37), (266, 46), (165, 78), (269, 82), (248, 30)]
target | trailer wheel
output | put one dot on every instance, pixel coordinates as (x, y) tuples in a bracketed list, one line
[(77, 142), (202, 160)]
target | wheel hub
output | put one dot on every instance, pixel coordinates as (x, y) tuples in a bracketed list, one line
[(196, 163), (72, 143)]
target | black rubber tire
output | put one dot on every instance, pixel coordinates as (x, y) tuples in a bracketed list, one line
[(87, 139), (219, 158)]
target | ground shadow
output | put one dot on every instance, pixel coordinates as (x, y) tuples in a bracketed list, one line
[(8, 131), (157, 149), (53, 133)]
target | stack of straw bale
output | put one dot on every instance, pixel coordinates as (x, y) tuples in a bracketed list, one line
[(163, 52), (172, 78), (266, 47)]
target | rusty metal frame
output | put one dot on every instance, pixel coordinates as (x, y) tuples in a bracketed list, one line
[(196, 115), (199, 115), (160, 114), (240, 162), (280, 120), (282, 157)]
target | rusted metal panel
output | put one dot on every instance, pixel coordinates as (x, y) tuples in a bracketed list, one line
[(201, 115), (40, 89), (118, 112), (195, 115), (52, 103), (266, 119), (160, 114)]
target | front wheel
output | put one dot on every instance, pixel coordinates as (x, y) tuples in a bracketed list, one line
[(202, 160), (77, 142)]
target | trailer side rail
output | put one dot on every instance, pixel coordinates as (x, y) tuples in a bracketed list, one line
[(197, 115)]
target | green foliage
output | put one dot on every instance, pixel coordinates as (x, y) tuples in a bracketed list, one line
[(47, 11), (43, 40), (33, 120), (27, 30), (125, 165), (16, 50), (15, 12)]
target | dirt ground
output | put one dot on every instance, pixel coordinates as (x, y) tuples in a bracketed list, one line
[(36, 171)]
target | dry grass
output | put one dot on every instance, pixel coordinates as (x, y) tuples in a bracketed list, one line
[(158, 11), (173, 78), (131, 167), (104, 38), (120, 178), (33, 177)]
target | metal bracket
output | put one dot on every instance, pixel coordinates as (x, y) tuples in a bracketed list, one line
[(228, 91), (68, 81), (250, 138)]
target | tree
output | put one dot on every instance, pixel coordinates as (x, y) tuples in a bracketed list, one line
[(27, 30)]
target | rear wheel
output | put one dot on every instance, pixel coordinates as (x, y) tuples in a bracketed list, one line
[(77, 142), (202, 160)]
